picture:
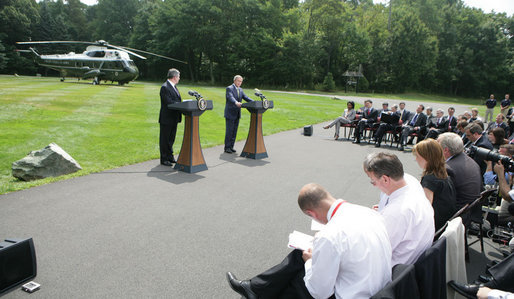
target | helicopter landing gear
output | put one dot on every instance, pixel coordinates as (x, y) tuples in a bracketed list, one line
[(62, 79), (121, 83), (95, 81)]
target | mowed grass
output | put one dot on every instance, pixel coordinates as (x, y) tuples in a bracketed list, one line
[(107, 126)]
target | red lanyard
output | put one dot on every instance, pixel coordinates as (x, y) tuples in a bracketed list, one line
[(337, 207)]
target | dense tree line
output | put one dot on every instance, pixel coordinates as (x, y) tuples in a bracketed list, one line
[(431, 45)]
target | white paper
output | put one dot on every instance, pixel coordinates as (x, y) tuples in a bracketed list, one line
[(298, 240), (315, 225)]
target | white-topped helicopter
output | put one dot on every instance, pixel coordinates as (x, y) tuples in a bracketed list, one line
[(100, 61)]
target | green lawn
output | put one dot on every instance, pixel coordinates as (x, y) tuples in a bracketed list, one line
[(106, 126)]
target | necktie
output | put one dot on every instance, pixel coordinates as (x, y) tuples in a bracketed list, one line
[(450, 122), (368, 111), (238, 95), (413, 121)]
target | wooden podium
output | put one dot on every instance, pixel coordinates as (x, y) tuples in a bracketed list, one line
[(254, 147), (191, 158)]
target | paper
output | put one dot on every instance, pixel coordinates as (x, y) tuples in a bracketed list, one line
[(315, 225), (298, 240)]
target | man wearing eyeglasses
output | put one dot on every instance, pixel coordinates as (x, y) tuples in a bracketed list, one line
[(408, 215)]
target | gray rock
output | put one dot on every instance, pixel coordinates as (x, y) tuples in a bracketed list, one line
[(50, 161)]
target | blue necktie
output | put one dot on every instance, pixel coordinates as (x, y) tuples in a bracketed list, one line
[(413, 121)]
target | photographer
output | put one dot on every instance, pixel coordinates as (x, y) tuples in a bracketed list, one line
[(474, 134), (505, 179)]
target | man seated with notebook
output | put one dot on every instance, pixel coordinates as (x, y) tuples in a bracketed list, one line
[(350, 256), (408, 215)]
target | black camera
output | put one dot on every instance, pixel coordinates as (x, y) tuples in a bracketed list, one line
[(489, 155)]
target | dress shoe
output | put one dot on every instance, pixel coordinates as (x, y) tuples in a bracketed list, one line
[(228, 151), (356, 141), (241, 287), (233, 150), (173, 160), (336, 136), (167, 163), (485, 278), (326, 127), (402, 148), (377, 145), (466, 290)]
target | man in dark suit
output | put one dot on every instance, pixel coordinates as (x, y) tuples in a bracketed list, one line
[(499, 123), (451, 121), (369, 116), (234, 97), (414, 124), (387, 126), (474, 134), (169, 118), (404, 113), (463, 171), (437, 125)]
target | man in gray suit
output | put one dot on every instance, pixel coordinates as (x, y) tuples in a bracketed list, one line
[(234, 97)]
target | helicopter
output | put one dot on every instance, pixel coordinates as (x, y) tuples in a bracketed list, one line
[(100, 61)]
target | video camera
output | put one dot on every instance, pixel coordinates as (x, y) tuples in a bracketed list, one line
[(489, 155)]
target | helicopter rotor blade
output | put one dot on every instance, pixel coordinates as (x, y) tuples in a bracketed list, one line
[(124, 49), (55, 42), (150, 53)]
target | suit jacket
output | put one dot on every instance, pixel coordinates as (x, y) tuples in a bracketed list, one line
[(450, 126), (231, 110), (168, 96), (466, 177), (502, 125), (421, 121), (370, 117), (405, 116)]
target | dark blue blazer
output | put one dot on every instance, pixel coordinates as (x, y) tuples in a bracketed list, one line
[(168, 96), (231, 110)]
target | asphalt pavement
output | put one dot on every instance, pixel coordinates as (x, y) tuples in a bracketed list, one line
[(148, 231)]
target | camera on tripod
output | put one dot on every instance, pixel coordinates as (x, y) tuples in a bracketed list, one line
[(489, 155)]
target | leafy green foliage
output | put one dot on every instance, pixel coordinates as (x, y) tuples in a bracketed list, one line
[(429, 45)]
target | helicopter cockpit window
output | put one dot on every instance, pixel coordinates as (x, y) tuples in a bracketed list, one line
[(96, 54)]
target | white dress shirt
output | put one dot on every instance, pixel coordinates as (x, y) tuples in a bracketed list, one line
[(409, 219), (351, 255)]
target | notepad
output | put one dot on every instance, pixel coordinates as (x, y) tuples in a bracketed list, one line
[(298, 240)]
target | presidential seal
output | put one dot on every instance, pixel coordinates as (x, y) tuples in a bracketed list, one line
[(202, 104)]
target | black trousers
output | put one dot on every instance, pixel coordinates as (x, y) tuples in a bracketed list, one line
[(231, 126), (166, 139), (284, 280), (503, 274)]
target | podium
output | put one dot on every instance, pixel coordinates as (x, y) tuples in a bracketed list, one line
[(254, 147), (191, 158)]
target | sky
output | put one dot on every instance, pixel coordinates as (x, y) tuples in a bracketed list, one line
[(487, 6)]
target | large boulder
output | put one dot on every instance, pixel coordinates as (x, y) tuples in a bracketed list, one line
[(50, 161)]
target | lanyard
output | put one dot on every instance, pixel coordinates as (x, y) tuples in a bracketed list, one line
[(337, 207)]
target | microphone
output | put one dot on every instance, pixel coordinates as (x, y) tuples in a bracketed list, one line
[(259, 94), (192, 93)]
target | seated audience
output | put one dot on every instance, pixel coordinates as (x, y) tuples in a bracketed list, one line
[(497, 137), (464, 171), (499, 276), (461, 126), (499, 124), (413, 125), (475, 136), (404, 113), (436, 183), (408, 215), (347, 118), (437, 126), (504, 180), (387, 126), (369, 116), (474, 115), (350, 257)]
